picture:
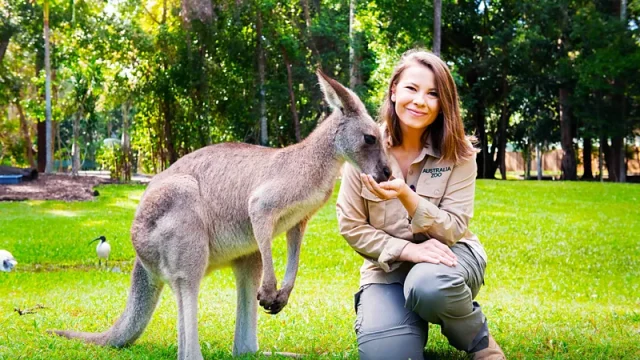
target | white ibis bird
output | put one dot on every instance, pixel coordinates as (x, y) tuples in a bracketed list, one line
[(103, 249), (7, 261)]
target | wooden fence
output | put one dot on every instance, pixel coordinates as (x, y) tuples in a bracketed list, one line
[(552, 160)]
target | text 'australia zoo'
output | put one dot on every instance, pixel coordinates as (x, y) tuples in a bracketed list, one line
[(436, 172)]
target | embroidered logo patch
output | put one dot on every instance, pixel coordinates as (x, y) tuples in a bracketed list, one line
[(436, 172)]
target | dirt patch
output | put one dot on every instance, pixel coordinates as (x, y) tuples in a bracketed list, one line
[(53, 187)]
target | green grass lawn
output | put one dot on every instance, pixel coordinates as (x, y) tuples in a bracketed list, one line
[(563, 279)]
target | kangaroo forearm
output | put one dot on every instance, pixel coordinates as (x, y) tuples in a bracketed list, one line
[(294, 243), (292, 269)]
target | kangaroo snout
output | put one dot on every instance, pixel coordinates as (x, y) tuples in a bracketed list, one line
[(387, 172), (382, 173)]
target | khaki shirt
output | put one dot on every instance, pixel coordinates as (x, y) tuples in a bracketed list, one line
[(379, 230)]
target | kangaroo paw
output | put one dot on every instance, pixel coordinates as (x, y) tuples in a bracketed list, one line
[(281, 300), (267, 296)]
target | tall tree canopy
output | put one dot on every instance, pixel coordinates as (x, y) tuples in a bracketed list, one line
[(159, 79)]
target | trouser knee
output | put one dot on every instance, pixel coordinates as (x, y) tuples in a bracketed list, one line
[(432, 294), (439, 295), (385, 328), (396, 343)]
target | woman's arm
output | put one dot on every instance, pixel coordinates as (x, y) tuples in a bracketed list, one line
[(367, 240), (447, 222)]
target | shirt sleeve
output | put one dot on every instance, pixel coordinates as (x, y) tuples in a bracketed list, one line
[(370, 242), (449, 221)]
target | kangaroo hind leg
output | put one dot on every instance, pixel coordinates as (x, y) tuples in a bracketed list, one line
[(248, 271), (184, 264), (186, 292)]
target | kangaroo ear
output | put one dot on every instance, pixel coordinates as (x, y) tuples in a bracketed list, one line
[(338, 97)]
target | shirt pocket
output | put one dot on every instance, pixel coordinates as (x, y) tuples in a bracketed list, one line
[(432, 189), (375, 207), (395, 215)]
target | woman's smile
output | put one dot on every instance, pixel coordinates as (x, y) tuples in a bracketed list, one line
[(416, 113)]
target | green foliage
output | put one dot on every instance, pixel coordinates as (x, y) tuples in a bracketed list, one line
[(190, 84), (561, 281), (112, 158)]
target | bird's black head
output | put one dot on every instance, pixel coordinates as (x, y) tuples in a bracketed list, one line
[(8, 264), (101, 238)]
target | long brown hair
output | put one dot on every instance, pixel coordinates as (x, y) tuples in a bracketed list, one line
[(447, 131)]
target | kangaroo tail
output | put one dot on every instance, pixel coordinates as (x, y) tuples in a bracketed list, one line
[(143, 298)]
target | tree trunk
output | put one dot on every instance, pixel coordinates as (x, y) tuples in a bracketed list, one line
[(527, 164), (5, 37), (24, 127), (48, 116), (601, 158), (162, 139), (168, 131), (47, 65), (484, 159), (4, 43), (353, 66), (623, 162), (56, 131), (42, 145), (41, 129), (609, 161), (75, 147), (586, 159), (309, 35), (505, 114), (109, 127), (617, 164), (569, 165), (617, 142), (477, 113), (292, 97), (437, 26), (492, 165), (502, 136), (539, 155), (126, 143), (617, 158), (264, 135)]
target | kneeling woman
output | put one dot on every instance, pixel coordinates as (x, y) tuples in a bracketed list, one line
[(422, 264)]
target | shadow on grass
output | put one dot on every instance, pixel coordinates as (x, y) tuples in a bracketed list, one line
[(116, 266)]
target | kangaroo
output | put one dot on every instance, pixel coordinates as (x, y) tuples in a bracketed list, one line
[(222, 205)]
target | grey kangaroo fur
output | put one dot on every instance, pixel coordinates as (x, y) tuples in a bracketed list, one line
[(222, 205)]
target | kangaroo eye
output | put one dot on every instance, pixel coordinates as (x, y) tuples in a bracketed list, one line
[(370, 139)]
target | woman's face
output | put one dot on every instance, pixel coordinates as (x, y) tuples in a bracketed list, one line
[(415, 98)]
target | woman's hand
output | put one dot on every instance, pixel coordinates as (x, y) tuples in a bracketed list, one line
[(385, 190), (431, 251), (394, 188)]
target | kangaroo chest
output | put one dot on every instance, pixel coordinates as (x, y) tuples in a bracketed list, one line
[(300, 210)]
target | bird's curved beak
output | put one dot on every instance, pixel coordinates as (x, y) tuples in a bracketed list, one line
[(94, 240)]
